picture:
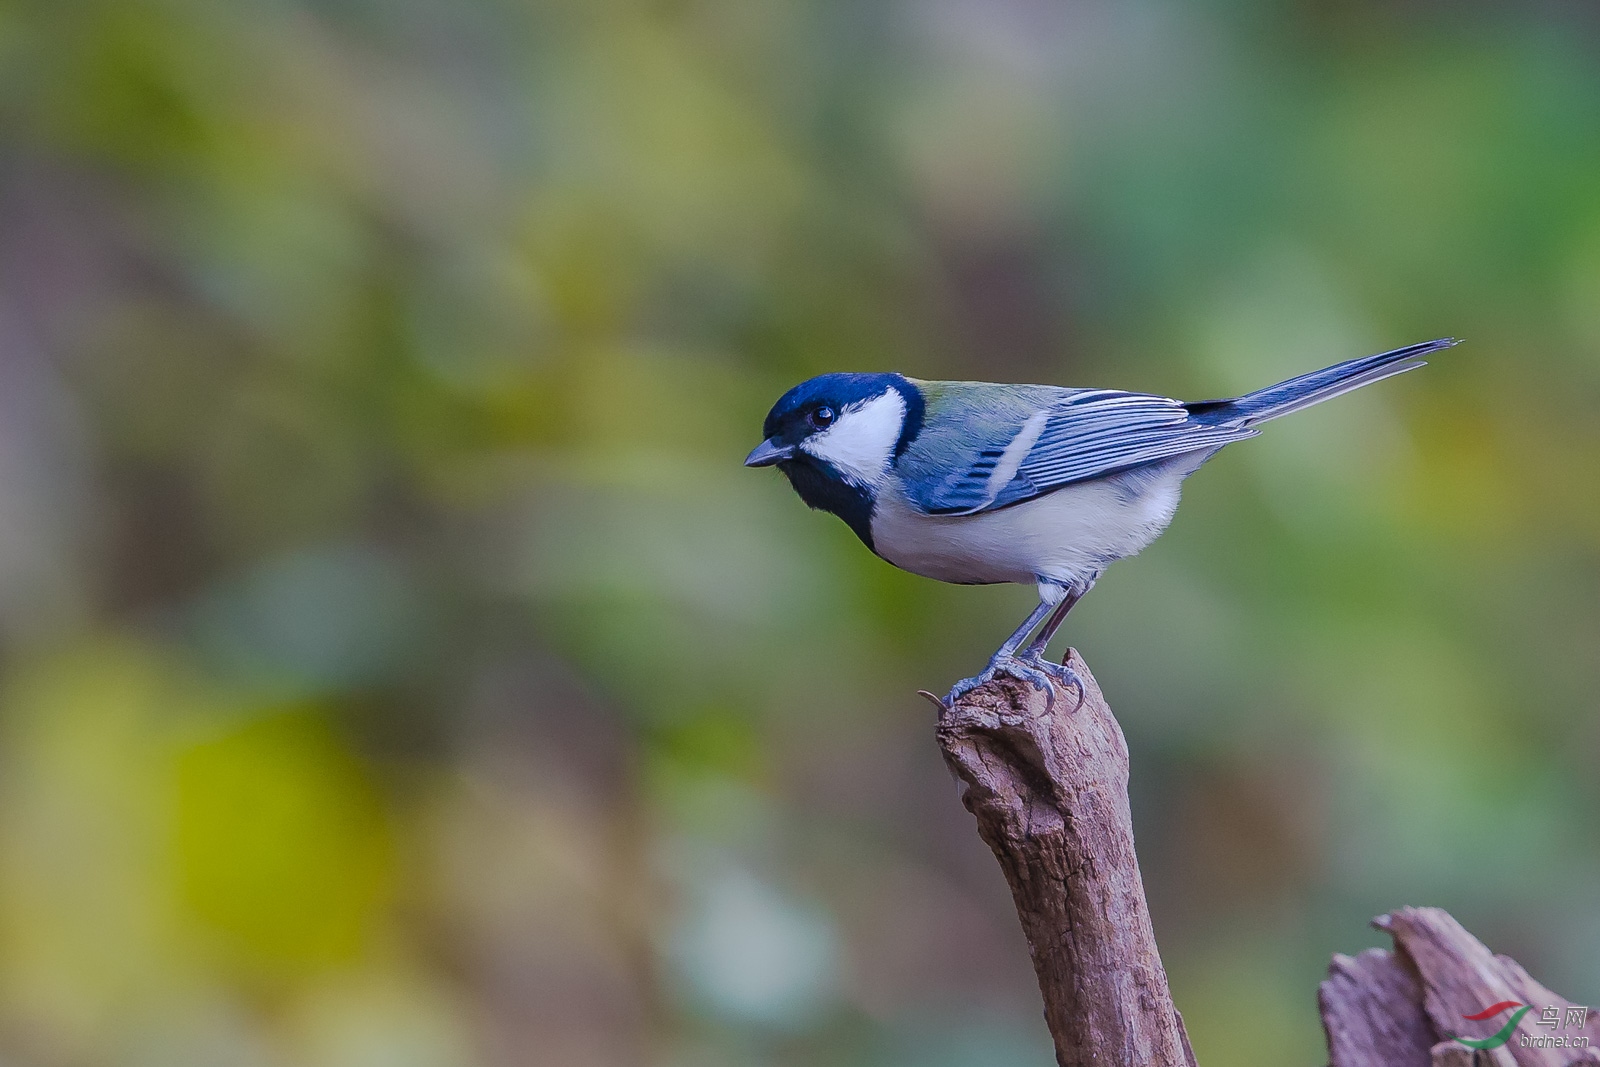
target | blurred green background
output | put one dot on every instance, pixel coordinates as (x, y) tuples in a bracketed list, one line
[(397, 666)]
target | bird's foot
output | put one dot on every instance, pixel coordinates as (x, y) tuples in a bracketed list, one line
[(1037, 671), (1012, 666)]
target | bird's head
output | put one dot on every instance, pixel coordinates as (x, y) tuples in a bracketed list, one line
[(837, 435), (847, 426)]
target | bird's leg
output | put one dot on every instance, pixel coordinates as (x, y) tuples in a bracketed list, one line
[(1033, 656), (1006, 661)]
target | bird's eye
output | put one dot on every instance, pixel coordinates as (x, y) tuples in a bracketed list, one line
[(822, 417)]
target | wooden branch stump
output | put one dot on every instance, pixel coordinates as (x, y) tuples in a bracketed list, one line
[(1048, 785), (1049, 788)]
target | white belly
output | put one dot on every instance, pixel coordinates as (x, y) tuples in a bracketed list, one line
[(1066, 536)]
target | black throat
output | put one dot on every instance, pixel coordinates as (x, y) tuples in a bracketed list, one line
[(824, 488)]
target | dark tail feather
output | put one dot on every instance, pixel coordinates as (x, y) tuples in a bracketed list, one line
[(1314, 388)]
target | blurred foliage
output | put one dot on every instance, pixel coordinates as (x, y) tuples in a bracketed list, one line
[(400, 668)]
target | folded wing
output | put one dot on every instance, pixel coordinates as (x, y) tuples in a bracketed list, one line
[(1075, 436)]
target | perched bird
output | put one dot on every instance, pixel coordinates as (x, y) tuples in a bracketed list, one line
[(979, 483)]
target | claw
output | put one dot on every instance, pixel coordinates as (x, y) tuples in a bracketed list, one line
[(1059, 672)]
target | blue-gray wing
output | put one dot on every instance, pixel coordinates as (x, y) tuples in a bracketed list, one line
[(1078, 435)]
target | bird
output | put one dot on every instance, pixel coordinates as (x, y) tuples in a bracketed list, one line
[(981, 483)]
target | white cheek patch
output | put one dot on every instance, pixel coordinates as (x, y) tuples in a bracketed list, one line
[(861, 443)]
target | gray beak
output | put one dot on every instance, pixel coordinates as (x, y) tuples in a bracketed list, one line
[(767, 453)]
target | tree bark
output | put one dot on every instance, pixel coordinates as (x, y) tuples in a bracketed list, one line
[(1405, 1008), (1049, 788)]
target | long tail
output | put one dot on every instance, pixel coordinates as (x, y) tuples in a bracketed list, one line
[(1314, 388)]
